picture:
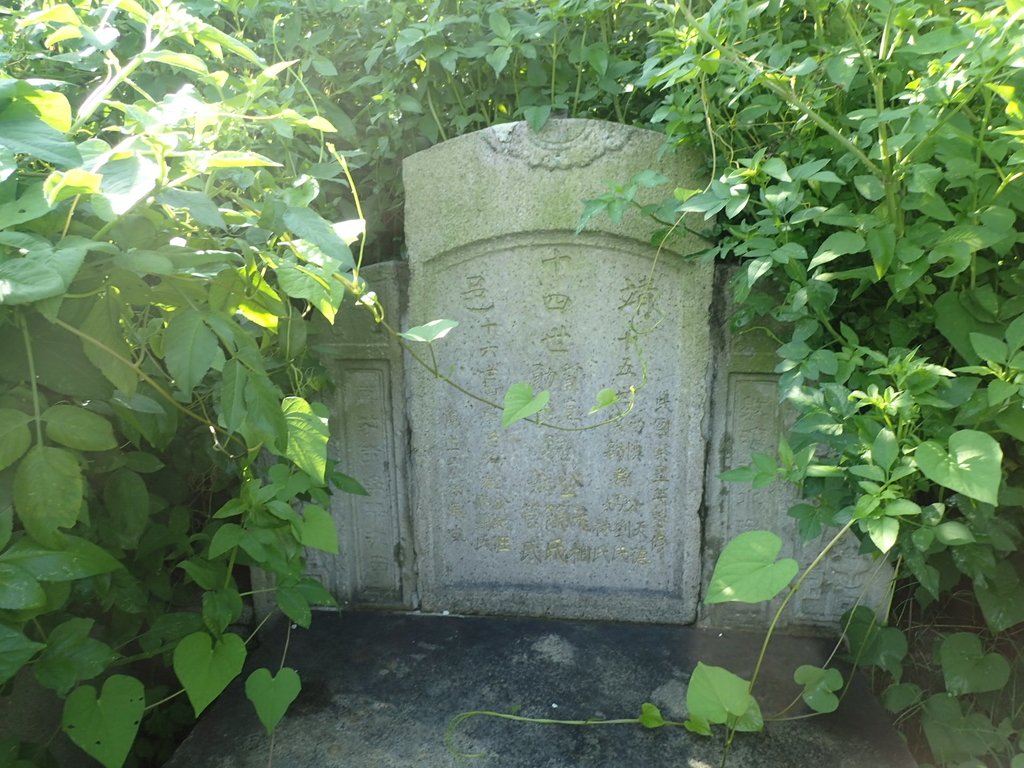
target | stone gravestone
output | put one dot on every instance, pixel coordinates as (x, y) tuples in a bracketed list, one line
[(596, 524)]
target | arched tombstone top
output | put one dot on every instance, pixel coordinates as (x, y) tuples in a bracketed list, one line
[(509, 179)]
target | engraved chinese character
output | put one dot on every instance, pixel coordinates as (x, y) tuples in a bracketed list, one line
[(557, 339), (556, 302), (622, 476), (474, 297)]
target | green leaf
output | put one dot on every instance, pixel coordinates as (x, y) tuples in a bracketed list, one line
[(536, 117), (39, 274), (127, 500), (15, 652), (430, 332), (15, 437), (199, 206), (605, 397), (715, 695), (521, 403), (188, 61), (953, 533), (29, 206), (79, 428), (318, 530), (103, 325), (1001, 598), (966, 668), (650, 716), (48, 490), (23, 131), (19, 590), (747, 571), (220, 608), (989, 348), (836, 245), (78, 559), (819, 686), (105, 727), (60, 185), (870, 187), (312, 227), (900, 696), (272, 695), (72, 655), (205, 669), (294, 605), (190, 349), (307, 437), (883, 532), (885, 448), (972, 466), (126, 181)]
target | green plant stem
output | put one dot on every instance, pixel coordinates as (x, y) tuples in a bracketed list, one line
[(789, 596), (164, 700), (790, 98), (461, 718), (480, 399), (36, 408)]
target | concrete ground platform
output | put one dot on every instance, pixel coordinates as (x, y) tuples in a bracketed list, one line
[(379, 691)]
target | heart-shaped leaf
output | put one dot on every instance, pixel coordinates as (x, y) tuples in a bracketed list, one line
[(205, 668), (716, 695), (432, 331), (819, 685), (271, 696), (971, 466), (883, 531), (966, 668), (521, 403), (48, 490), (105, 727), (747, 571), (1001, 598), (650, 716), (15, 651), (72, 655)]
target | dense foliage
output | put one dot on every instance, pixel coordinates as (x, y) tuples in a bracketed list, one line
[(868, 182), (159, 265)]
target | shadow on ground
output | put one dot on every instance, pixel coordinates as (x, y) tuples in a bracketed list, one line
[(379, 691)]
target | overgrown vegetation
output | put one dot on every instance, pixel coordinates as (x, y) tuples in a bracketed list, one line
[(159, 264), (171, 217), (869, 184)]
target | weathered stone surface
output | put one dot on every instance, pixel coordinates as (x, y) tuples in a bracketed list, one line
[(369, 431), (540, 521), (747, 417), (380, 691)]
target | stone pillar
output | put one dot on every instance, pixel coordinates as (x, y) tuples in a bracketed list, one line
[(747, 417), (368, 441), (599, 524)]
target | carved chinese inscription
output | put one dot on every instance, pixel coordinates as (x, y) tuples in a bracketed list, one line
[(538, 520), (600, 523)]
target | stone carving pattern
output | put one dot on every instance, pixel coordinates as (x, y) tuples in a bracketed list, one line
[(560, 145)]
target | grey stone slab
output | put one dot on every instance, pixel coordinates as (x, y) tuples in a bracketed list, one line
[(747, 417), (541, 521), (379, 691), (369, 443)]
